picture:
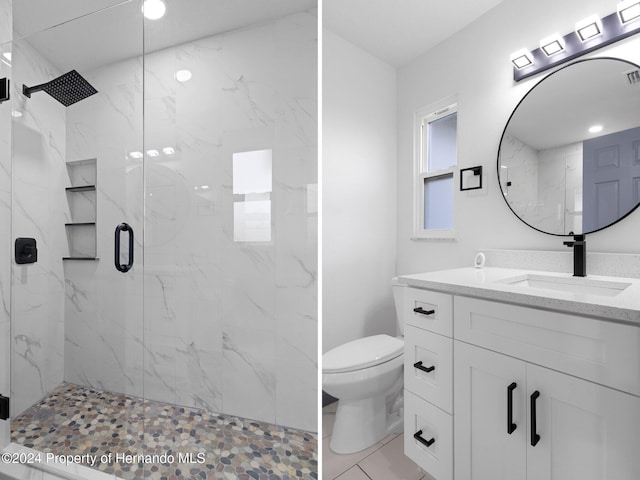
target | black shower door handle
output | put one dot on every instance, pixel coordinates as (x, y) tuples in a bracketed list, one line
[(123, 227)]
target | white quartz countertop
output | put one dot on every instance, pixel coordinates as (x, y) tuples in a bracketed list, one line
[(491, 284)]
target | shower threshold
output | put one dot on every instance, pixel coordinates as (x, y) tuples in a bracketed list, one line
[(131, 438)]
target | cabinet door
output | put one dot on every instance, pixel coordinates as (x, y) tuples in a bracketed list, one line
[(484, 450), (587, 431)]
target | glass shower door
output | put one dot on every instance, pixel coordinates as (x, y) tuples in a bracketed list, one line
[(77, 224)]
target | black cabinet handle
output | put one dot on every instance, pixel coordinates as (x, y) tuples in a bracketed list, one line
[(419, 366), (426, 443), (535, 438), (123, 227), (423, 311), (511, 427)]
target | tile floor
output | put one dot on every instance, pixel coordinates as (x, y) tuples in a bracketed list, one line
[(75, 420), (383, 461)]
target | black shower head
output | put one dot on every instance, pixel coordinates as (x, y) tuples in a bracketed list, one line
[(67, 89)]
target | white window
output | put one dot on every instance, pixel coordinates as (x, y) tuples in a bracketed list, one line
[(435, 163)]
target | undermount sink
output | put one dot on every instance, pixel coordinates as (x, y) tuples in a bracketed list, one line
[(585, 286)]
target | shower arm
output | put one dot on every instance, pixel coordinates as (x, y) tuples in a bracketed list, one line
[(27, 91)]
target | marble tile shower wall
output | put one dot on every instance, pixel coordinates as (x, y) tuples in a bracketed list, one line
[(39, 211), (5, 219), (228, 326)]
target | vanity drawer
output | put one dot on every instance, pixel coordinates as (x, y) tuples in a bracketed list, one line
[(429, 310), (437, 458), (434, 351), (598, 350)]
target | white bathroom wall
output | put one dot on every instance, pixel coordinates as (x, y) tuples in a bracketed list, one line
[(359, 195), (39, 211), (474, 64), (228, 326)]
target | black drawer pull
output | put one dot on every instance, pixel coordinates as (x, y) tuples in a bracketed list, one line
[(535, 438), (423, 311), (426, 443), (511, 427), (419, 366)]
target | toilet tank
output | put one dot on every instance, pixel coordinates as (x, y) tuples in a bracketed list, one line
[(398, 298)]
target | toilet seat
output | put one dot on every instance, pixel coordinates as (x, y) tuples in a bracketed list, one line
[(362, 353)]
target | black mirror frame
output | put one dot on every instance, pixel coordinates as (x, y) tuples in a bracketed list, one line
[(502, 192)]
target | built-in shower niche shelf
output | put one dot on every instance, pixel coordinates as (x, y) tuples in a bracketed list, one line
[(82, 188), (82, 200)]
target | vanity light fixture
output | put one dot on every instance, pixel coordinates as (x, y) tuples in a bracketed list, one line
[(522, 58), (552, 44), (595, 129), (589, 28), (628, 10), (590, 34)]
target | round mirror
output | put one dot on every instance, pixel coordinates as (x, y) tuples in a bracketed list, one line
[(569, 157)]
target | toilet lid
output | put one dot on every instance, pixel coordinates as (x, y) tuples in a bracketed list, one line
[(361, 353)]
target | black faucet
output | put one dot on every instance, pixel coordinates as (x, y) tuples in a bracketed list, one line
[(579, 245)]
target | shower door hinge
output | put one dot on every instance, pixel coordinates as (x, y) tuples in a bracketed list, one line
[(4, 407)]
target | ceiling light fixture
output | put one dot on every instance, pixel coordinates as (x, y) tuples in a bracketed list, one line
[(595, 129), (153, 153), (552, 44), (136, 154), (521, 58), (153, 9), (183, 75), (589, 28), (628, 10), (168, 150)]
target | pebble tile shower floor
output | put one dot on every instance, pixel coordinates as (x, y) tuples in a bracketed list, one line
[(75, 420)]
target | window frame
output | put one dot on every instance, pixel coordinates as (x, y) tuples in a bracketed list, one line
[(422, 118)]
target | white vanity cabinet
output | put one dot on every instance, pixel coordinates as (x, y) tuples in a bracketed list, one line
[(531, 394), (581, 430)]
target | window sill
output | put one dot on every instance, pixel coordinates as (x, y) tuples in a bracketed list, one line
[(449, 235)]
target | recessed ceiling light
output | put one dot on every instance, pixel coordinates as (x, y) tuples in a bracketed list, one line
[(204, 187), (588, 28), (153, 9), (136, 154), (522, 58), (183, 75), (595, 129), (628, 10)]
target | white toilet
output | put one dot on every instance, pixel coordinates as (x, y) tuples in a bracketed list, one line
[(365, 375)]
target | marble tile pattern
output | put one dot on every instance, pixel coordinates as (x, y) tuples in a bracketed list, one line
[(39, 211), (226, 326), (75, 420)]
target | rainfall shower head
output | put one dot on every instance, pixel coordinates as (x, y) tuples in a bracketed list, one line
[(67, 89)]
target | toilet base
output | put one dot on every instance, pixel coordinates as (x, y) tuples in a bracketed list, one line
[(361, 423)]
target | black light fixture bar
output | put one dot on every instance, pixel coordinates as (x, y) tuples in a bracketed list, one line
[(612, 31)]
